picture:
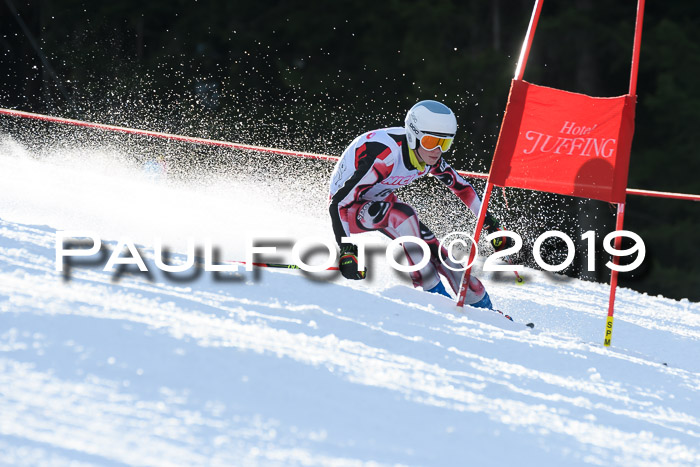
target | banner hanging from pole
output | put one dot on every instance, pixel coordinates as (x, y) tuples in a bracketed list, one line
[(566, 143)]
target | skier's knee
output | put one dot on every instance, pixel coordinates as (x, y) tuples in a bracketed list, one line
[(404, 219)]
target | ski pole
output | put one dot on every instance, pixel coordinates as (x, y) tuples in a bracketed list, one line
[(280, 265), (518, 278)]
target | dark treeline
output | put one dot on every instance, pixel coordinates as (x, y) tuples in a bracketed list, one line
[(311, 75)]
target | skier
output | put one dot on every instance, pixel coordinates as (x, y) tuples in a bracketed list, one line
[(156, 168), (362, 195)]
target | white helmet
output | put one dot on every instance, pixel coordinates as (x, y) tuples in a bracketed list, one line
[(431, 117)]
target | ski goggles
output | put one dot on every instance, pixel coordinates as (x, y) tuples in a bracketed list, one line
[(431, 142)]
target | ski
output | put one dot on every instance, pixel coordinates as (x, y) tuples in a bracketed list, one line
[(529, 325)]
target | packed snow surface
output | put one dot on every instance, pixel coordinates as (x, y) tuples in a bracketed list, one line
[(272, 367)]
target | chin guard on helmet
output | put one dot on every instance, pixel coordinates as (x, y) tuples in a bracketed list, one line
[(430, 118)]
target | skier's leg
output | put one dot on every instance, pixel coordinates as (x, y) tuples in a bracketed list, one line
[(476, 293), (395, 219)]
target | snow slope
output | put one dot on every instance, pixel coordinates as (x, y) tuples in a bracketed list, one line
[(274, 368)]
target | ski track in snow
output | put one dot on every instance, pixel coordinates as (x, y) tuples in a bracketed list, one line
[(272, 368)]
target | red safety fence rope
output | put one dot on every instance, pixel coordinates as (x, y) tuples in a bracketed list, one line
[(283, 152), (170, 136)]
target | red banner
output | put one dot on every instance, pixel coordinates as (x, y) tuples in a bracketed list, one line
[(566, 143)]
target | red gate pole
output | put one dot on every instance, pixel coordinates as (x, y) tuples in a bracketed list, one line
[(613, 277), (619, 222), (519, 71), (525, 51), (637, 47), (462, 295)]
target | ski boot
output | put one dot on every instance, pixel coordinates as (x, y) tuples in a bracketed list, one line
[(439, 289), (485, 302)]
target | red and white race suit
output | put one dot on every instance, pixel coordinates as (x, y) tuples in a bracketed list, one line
[(362, 199)]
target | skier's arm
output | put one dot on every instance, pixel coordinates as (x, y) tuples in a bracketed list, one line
[(465, 191), (370, 170), (457, 185)]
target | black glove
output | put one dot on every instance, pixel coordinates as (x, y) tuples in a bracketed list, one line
[(492, 225), (348, 263)]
